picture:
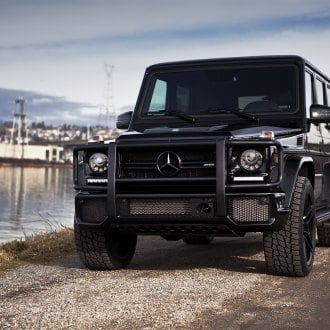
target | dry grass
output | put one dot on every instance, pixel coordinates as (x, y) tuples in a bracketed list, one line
[(37, 248)]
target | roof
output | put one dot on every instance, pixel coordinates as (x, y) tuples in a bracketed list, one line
[(236, 60)]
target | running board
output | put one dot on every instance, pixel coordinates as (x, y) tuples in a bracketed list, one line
[(322, 217)]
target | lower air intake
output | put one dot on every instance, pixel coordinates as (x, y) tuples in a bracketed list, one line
[(249, 209), (160, 207), (92, 209)]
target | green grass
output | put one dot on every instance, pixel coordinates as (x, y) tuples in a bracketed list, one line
[(37, 248)]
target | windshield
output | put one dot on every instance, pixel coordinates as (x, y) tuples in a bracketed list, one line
[(214, 90)]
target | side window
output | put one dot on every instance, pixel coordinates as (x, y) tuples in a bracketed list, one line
[(319, 91), (158, 99), (308, 91), (328, 95)]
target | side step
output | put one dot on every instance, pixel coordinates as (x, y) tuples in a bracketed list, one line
[(322, 216)]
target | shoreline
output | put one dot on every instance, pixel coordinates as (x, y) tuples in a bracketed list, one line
[(37, 248), (25, 162)]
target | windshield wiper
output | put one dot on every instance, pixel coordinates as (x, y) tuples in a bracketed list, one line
[(174, 113), (235, 112)]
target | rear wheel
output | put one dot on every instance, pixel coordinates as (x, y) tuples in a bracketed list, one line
[(323, 234), (197, 240), (290, 251), (104, 250)]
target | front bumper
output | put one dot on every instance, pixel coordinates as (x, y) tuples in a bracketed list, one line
[(243, 212), (155, 204)]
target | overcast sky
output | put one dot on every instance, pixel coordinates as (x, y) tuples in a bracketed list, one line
[(59, 47)]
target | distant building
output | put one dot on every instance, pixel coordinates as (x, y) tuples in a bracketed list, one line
[(18, 148), (48, 153)]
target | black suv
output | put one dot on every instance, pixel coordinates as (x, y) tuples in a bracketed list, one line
[(214, 147)]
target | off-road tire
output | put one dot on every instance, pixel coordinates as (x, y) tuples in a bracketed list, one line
[(290, 251), (323, 234), (197, 240), (104, 250)]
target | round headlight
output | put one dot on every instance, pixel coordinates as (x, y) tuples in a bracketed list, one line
[(98, 163), (250, 160)]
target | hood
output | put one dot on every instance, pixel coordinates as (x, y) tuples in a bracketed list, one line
[(233, 131)]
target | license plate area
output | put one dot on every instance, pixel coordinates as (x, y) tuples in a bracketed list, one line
[(170, 207)]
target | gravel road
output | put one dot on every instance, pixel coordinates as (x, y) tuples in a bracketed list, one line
[(169, 285)]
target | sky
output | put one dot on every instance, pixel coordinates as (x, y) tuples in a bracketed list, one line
[(55, 52)]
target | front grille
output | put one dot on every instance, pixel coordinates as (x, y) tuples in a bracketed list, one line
[(142, 163), (159, 207), (179, 169), (249, 209)]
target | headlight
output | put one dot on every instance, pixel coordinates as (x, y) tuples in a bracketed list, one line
[(98, 163), (251, 160)]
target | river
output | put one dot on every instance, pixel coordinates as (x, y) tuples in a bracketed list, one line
[(34, 200)]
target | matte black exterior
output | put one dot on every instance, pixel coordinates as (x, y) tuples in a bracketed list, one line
[(299, 147)]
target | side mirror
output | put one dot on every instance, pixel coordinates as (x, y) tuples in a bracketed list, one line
[(124, 120), (319, 113)]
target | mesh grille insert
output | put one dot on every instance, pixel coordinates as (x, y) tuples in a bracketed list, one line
[(249, 209), (160, 207), (92, 209)]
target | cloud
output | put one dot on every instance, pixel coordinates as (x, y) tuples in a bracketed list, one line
[(58, 48), (56, 22), (47, 108), (79, 76), (42, 100)]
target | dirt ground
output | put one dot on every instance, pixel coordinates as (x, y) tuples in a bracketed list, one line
[(168, 285)]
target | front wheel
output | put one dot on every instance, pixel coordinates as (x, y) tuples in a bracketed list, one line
[(103, 249), (290, 251)]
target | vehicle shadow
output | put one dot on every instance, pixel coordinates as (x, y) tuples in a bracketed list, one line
[(232, 254), (241, 254)]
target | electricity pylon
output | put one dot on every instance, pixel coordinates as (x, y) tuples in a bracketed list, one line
[(19, 132), (107, 115)]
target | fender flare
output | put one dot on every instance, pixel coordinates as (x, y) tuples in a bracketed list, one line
[(292, 167)]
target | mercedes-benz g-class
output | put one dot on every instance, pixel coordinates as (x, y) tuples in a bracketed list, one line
[(213, 147)]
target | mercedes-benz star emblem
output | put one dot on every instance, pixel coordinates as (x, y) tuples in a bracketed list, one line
[(168, 163)]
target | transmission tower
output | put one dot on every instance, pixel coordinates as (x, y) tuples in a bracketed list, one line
[(107, 113), (19, 132)]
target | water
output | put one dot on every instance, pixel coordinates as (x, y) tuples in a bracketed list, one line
[(34, 200)]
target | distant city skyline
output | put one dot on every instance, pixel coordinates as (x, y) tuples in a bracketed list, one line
[(54, 51), (47, 108)]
